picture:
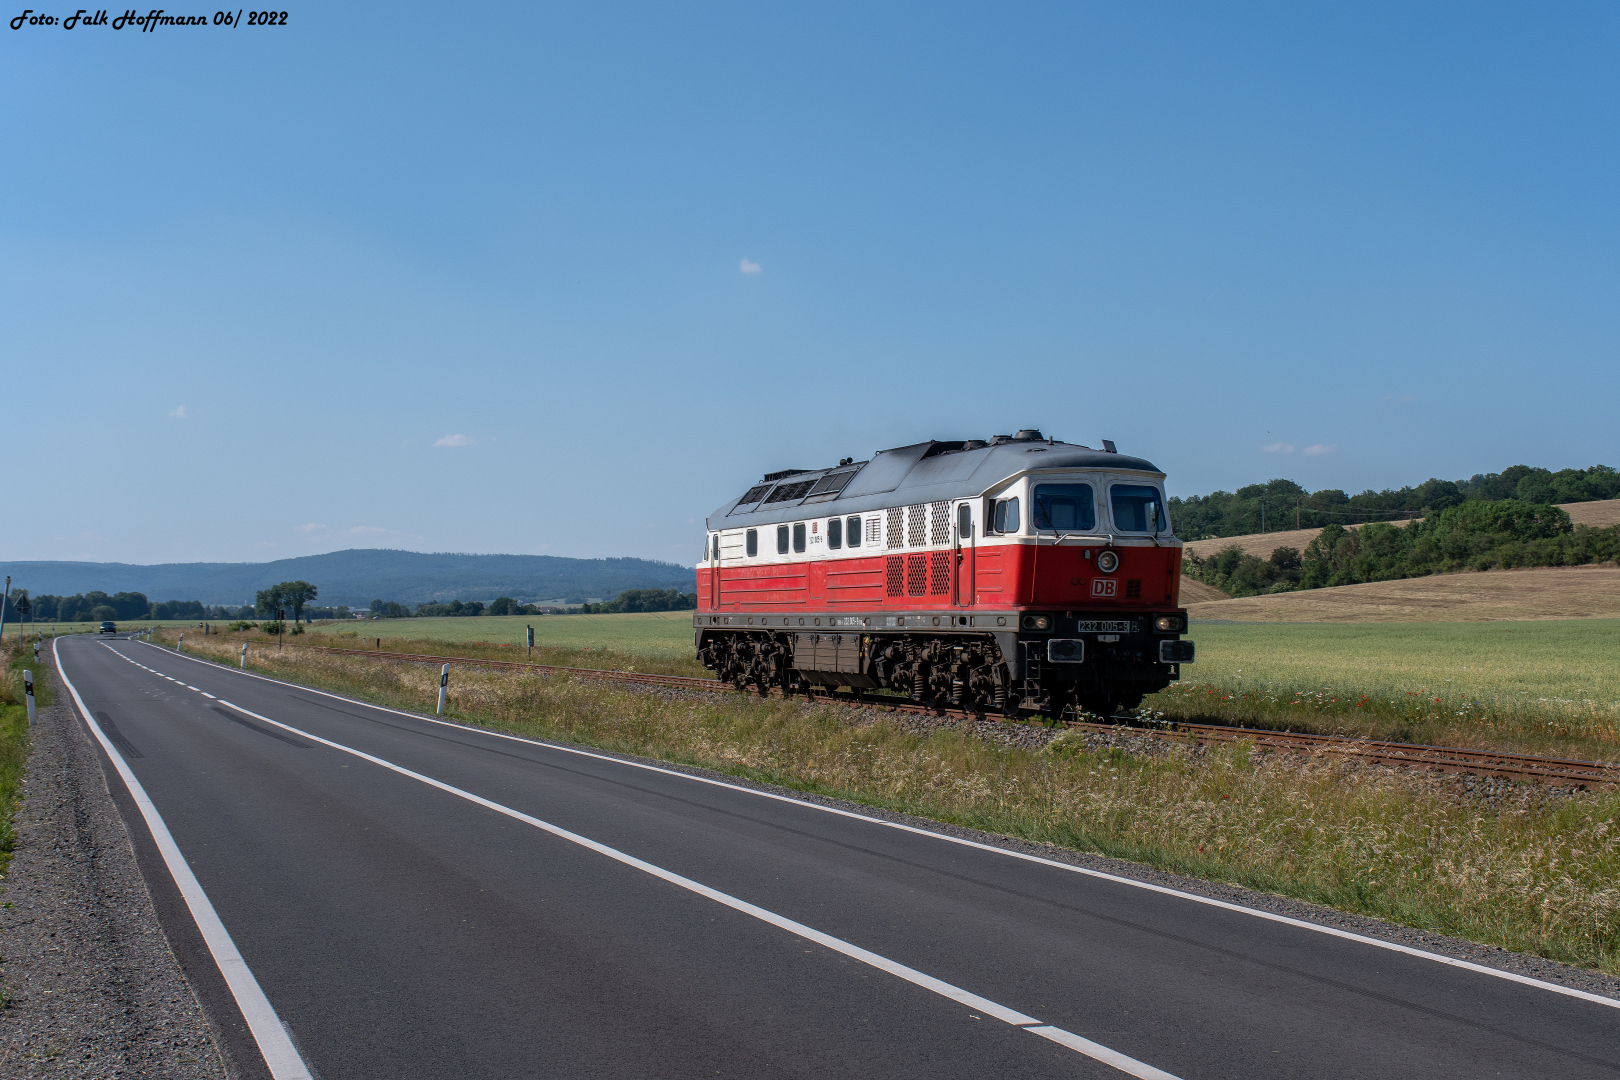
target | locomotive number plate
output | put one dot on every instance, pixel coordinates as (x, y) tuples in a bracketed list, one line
[(1103, 626)]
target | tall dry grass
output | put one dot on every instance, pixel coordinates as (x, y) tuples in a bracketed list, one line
[(1532, 871)]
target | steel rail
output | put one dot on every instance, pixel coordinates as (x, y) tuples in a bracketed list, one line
[(1373, 751)]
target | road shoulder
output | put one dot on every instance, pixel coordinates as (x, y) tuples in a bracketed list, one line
[(92, 987)]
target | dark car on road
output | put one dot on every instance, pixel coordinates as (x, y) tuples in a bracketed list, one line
[(108, 628)]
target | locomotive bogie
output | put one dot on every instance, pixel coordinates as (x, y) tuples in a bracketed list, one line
[(960, 573)]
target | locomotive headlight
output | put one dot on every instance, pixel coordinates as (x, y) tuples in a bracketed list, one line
[(1167, 623), (1037, 622), (1107, 561)]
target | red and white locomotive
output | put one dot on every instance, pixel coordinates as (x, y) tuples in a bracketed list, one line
[(1018, 573)]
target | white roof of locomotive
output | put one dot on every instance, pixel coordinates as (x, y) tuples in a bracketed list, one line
[(923, 472)]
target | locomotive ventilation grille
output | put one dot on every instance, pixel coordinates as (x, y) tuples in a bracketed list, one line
[(916, 575), (874, 530), (939, 523), (897, 539), (916, 525), (894, 575)]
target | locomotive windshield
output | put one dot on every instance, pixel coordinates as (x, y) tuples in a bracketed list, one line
[(1137, 508), (1065, 507)]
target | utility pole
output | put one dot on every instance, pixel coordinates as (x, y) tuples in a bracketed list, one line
[(3, 603)]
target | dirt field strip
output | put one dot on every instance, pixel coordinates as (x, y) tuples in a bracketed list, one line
[(1575, 592)]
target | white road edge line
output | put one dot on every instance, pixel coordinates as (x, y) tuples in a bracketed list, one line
[(280, 1055), (1095, 1051), (1164, 890)]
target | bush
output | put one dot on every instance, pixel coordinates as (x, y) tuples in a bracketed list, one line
[(244, 625), (271, 628)]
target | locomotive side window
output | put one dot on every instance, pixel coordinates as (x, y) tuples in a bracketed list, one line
[(964, 522), (835, 533), (753, 543), (798, 537), (781, 539), (1007, 515), (1064, 507), (1137, 508), (854, 532)]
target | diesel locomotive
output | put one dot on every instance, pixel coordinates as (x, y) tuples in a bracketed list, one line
[(1000, 575)]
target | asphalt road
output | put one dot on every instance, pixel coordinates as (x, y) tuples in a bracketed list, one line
[(417, 899)]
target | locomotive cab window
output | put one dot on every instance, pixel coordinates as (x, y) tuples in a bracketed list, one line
[(835, 533), (854, 532), (964, 522), (1064, 507), (781, 539), (798, 537), (1007, 515), (753, 543), (1137, 508)]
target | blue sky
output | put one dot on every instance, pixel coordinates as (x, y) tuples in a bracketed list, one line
[(560, 280)]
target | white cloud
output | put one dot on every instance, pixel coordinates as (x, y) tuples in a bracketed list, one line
[(312, 527), (453, 440), (179, 413), (746, 267), (367, 529), (1280, 448), (1318, 449)]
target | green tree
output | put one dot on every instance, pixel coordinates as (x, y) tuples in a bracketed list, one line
[(266, 602), (297, 594)]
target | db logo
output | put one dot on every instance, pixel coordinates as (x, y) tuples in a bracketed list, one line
[(1103, 586)]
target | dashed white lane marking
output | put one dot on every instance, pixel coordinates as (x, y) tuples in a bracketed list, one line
[(1103, 875), (1095, 1051), (275, 1044)]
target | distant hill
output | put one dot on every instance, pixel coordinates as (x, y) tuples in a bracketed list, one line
[(359, 576)]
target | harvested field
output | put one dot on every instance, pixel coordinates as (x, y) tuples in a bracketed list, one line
[(1194, 591), (1260, 545), (1576, 592), (1599, 515)]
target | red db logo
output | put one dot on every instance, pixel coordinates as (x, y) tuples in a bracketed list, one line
[(1103, 586)]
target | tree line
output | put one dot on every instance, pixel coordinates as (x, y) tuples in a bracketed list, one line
[(1283, 504), (1475, 535), (97, 606), (627, 601)]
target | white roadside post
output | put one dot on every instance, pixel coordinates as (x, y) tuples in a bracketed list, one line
[(28, 689), (531, 643), (180, 645), (244, 656), (444, 683)]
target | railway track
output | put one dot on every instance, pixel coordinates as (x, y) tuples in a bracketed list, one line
[(1374, 751)]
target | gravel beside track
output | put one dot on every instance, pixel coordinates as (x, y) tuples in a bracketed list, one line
[(92, 987)]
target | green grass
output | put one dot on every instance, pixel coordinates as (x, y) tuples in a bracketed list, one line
[(1541, 687), (14, 734), (659, 634)]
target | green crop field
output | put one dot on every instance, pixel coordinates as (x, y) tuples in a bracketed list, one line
[(1542, 686), (661, 634)]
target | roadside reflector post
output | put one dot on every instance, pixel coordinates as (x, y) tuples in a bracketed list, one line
[(36, 650), (244, 656), (281, 626), (444, 684), (28, 690), (180, 646), (531, 644)]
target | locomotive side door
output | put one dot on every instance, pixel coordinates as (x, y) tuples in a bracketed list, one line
[(962, 570), (714, 572)]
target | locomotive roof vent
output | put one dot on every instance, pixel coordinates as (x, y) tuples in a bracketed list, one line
[(1108, 447), (768, 477), (1029, 435)]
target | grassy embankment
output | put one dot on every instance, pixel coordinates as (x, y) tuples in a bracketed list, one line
[(1533, 687), (17, 655), (1530, 871)]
